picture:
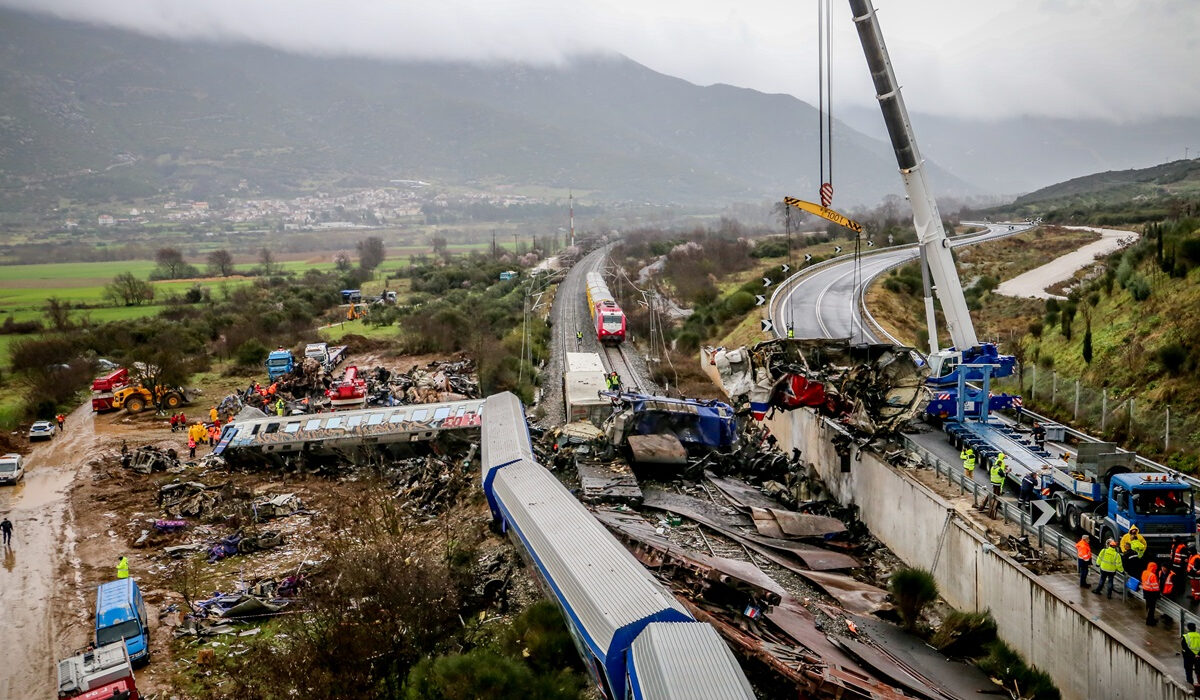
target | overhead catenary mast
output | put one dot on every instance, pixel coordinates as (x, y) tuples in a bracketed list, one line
[(571, 208)]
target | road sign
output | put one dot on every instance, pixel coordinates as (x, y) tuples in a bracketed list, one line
[(826, 194), (807, 257), (870, 244), (824, 213), (837, 249), (785, 267), (767, 326), (759, 300), (1046, 514), (766, 281)]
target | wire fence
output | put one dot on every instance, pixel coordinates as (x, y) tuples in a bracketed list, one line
[(1047, 539), (1112, 414)]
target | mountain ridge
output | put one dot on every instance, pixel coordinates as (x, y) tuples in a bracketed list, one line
[(197, 118)]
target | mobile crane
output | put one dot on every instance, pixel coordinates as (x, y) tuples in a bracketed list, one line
[(936, 259), (1097, 492)]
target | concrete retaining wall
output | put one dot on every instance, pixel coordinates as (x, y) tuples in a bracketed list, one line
[(1083, 657)]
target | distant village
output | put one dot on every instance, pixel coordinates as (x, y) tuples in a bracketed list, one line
[(401, 201)]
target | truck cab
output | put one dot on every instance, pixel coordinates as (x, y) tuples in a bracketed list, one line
[(1161, 507), (318, 352), (98, 674), (121, 616), (279, 363)]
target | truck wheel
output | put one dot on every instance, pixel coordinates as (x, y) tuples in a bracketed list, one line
[(173, 400), (1073, 518), (135, 404), (1060, 509)]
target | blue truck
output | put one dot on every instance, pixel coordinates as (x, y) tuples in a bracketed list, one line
[(121, 616), (279, 363)]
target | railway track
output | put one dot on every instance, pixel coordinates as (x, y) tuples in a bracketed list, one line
[(616, 359)]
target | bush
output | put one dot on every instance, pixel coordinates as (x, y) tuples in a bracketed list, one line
[(1172, 357), (739, 303), (1036, 328), (913, 589), (251, 353), (485, 675), (965, 634), (1009, 668), (1139, 287)]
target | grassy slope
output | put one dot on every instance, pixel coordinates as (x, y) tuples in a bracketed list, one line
[(1000, 318)]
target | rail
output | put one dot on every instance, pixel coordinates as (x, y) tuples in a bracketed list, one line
[(1048, 539)]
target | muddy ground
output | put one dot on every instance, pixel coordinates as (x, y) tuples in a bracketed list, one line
[(77, 511)]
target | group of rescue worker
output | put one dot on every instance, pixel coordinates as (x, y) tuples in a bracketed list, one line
[(199, 432), (613, 381), (997, 472), (1129, 556)]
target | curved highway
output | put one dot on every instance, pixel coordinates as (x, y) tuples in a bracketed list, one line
[(824, 301)]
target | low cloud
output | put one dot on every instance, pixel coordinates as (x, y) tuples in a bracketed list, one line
[(1120, 60)]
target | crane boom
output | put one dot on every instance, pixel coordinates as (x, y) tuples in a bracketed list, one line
[(935, 245)]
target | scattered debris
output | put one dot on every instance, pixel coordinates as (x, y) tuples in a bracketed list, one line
[(875, 389)]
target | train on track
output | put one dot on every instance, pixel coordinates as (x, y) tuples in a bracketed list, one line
[(636, 639), (608, 320)]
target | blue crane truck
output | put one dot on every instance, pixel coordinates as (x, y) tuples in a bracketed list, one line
[(279, 363), (1098, 492)]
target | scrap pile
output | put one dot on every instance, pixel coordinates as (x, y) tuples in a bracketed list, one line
[(193, 499), (874, 389), (217, 614), (148, 459), (306, 388)]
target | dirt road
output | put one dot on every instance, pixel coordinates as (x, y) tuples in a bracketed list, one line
[(1034, 282), (37, 583)]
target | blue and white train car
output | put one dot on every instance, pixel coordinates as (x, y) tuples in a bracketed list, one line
[(612, 604)]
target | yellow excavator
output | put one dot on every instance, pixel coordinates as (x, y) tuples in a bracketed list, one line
[(136, 399), (355, 311)]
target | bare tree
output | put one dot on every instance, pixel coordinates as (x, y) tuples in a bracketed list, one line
[(171, 265), (266, 262), (342, 262), (58, 313), (220, 263), (127, 290), (371, 253)]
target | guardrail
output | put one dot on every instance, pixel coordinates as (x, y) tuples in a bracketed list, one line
[(1047, 539)]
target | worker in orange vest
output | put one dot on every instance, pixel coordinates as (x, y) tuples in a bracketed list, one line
[(1193, 573), (1083, 551), (1151, 592), (1178, 555)]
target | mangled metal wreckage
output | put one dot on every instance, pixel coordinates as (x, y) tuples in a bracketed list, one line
[(873, 388)]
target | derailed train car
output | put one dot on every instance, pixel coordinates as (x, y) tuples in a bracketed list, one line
[(636, 639)]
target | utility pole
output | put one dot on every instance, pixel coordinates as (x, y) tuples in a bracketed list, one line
[(571, 209)]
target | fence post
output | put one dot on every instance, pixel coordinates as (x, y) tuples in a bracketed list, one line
[(1077, 401), (1103, 410)]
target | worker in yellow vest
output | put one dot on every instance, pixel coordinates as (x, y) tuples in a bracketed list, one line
[(968, 461), (1190, 646), (123, 567)]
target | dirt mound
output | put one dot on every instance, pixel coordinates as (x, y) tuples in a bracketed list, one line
[(13, 442), (357, 344)]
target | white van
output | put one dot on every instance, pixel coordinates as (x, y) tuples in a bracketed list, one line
[(12, 468)]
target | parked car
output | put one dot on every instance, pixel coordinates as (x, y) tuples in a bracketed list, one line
[(41, 430), (12, 468)]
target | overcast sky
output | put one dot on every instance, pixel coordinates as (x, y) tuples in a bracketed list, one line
[(1120, 59)]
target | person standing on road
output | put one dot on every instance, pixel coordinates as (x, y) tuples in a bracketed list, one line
[(1109, 561), (1130, 537), (6, 530), (968, 460), (1151, 592), (1028, 483), (1083, 553), (1190, 646), (579, 337), (192, 445), (62, 421), (123, 567), (996, 476), (1193, 574)]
